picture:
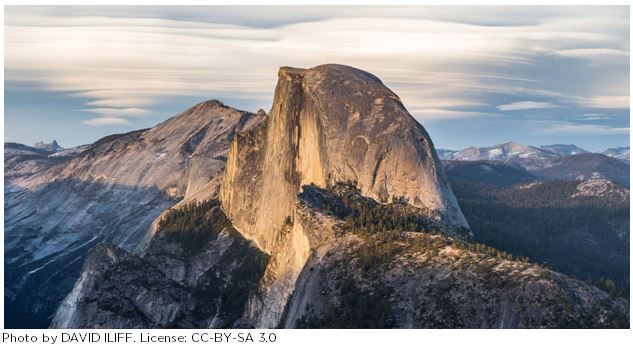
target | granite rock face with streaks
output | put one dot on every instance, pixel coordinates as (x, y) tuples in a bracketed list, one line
[(328, 124), (57, 209)]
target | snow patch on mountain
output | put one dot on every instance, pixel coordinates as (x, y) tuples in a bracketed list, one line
[(564, 150), (622, 153), (69, 152), (504, 152)]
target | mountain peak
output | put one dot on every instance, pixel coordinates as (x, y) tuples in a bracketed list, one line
[(329, 124), (335, 123), (49, 147), (209, 104), (338, 82), (328, 69)]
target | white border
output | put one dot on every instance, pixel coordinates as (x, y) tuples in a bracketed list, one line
[(385, 338)]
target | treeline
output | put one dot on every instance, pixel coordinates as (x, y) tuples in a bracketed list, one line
[(358, 308), (555, 193), (193, 225), (383, 229), (578, 236), (364, 215), (381, 225)]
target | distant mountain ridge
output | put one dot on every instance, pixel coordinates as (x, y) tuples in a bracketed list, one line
[(509, 150), (504, 152), (586, 166), (486, 171), (565, 162), (622, 153), (564, 150)]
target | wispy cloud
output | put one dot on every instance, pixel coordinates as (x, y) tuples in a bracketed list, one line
[(526, 105), (435, 113), (102, 121), (584, 129), (607, 101), (592, 53), (128, 61), (594, 116), (118, 112)]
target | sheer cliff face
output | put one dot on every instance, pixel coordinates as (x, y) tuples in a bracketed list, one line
[(328, 124), (112, 191)]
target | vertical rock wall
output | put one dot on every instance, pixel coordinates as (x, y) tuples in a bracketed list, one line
[(328, 124)]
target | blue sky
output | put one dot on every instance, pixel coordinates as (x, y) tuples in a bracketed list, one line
[(473, 76)]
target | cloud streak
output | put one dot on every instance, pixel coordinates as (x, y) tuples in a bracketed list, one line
[(101, 121), (607, 101), (584, 129), (118, 112), (526, 105), (594, 116), (129, 62)]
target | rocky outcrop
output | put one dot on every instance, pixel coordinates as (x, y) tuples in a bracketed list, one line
[(118, 289), (601, 188), (328, 124), (52, 147), (170, 285), (441, 287), (57, 209), (396, 279)]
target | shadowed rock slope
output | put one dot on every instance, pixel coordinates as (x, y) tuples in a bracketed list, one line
[(57, 209), (195, 277)]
